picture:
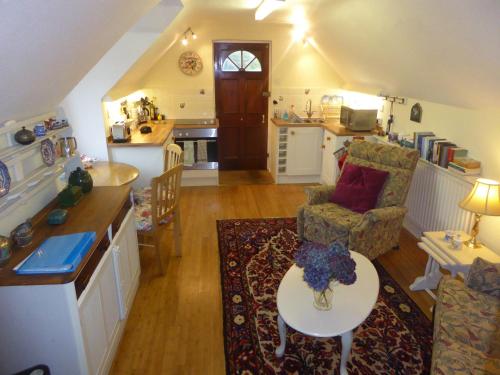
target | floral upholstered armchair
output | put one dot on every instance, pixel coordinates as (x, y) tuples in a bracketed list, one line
[(377, 230)]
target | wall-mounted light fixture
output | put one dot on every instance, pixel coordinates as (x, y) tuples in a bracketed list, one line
[(188, 33), (267, 7)]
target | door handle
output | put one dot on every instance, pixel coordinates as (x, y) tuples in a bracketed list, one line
[(328, 138), (292, 133), (322, 146), (263, 119)]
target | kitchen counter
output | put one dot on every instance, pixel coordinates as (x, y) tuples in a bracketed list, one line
[(160, 133), (158, 136), (333, 126), (95, 212)]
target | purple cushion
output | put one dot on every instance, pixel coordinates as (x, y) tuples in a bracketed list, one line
[(358, 188)]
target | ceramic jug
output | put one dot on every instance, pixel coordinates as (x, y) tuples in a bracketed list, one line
[(82, 178)]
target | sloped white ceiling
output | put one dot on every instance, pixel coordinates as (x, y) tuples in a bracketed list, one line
[(438, 50), (442, 51), (48, 46)]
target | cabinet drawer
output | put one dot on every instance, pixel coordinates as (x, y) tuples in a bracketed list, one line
[(85, 275), (115, 226)]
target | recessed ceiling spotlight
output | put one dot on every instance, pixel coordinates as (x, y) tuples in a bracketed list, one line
[(267, 7)]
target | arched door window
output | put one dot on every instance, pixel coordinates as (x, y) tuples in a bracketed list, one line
[(242, 61)]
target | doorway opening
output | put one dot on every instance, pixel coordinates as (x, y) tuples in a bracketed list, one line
[(241, 104)]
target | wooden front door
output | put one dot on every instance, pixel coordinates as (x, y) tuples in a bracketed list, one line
[(241, 96)]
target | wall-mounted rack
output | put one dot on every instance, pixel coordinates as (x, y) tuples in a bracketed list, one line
[(394, 99)]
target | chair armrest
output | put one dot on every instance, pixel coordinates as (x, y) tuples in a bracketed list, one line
[(319, 194), (384, 214)]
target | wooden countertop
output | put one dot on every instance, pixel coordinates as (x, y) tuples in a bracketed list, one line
[(332, 126), (95, 212), (158, 136)]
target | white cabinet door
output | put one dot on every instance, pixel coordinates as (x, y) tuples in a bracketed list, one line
[(93, 327), (132, 247), (328, 160), (126, 255), (304, 151), (110, 303)]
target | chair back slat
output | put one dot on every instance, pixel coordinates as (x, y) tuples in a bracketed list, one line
[(165, 194), (173, 156)]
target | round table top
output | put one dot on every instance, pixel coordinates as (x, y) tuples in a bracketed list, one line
[(105, 173), (350, 307)]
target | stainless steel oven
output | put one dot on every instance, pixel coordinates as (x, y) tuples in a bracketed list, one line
[(200, 147)]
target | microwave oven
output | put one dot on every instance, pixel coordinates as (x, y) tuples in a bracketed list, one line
[(358, 119)]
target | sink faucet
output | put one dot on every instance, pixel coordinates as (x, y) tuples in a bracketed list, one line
[(309, 110)]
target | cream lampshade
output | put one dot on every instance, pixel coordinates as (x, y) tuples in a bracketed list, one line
[(484, 199)]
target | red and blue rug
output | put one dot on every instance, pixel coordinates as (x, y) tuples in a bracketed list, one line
[(255, 254)]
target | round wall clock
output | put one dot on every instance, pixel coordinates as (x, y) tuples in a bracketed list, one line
[(190, 63)]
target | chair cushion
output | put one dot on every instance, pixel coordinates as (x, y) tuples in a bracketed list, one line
[(142, 210), (328, 222), (358, 187)]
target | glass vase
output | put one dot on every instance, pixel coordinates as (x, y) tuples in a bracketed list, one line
[(323, 299)]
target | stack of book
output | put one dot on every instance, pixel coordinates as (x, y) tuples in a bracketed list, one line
[(465, 166), (444, 153)]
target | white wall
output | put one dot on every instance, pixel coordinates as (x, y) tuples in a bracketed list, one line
[(83, 106), (293, 67), (476, 130)]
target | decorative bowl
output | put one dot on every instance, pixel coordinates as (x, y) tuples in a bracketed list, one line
[(24, 136)]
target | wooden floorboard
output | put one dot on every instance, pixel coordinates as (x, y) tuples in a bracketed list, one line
[(252, 177), (175, 324)]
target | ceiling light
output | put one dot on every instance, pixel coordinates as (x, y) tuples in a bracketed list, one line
[(184, 40), (267, 7)]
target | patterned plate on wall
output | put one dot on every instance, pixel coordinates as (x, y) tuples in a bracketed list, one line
[(48, 151), (4, 180)]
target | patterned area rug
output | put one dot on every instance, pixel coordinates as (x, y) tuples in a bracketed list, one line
[(255, 254)]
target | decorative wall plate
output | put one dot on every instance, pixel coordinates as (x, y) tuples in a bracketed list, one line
[(48, 152), (4, 180), (190, 63)]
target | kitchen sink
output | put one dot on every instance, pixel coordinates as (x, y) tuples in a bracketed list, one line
[(305, 120)]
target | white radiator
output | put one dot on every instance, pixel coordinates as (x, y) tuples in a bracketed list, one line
[(433, 200)]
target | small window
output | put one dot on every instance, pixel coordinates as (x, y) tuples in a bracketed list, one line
[(242, 61)]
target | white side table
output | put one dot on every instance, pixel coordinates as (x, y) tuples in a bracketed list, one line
[(351, 306), (442, 255)]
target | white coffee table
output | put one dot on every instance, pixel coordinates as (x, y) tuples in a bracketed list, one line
[(351, 306)]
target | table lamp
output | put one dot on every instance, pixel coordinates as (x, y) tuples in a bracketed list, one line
[(484, 199)]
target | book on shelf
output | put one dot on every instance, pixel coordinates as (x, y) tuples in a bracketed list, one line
[(430, 149), (443, 154), (463, 171), (467, 162), (435, 150), (419, 141), (456, 152)]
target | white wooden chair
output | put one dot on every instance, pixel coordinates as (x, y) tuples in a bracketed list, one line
[(159, 206), (173, 156)]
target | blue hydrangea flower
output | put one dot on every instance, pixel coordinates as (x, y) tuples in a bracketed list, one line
[(322, 264)]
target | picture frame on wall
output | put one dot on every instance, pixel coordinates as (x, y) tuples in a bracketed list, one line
[(416, 113)]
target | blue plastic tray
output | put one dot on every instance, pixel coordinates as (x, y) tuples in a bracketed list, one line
[(57, 254)]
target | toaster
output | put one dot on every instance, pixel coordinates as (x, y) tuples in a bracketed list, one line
[(120, 132)]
